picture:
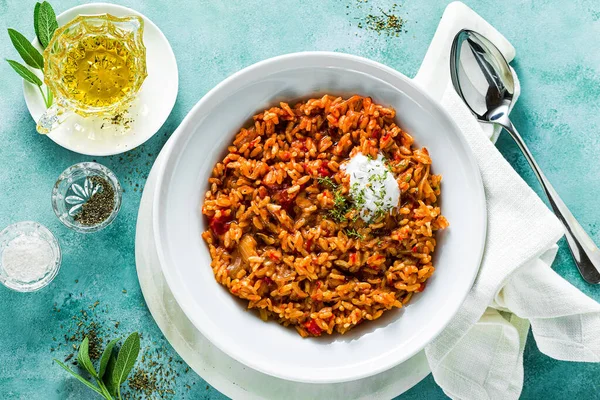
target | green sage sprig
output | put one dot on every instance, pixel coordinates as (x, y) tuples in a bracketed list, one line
[(112, 369), (44, 24)]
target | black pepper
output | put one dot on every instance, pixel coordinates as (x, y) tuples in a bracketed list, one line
[(100, 206)]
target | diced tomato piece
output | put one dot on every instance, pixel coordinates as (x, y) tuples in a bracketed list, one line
[(312, 327), (220, 226), (262, 192), (323, 170), (285, 201), (268, 280), (352, 257), (414, 249), (422, 287), (309, 243), (300, 144)]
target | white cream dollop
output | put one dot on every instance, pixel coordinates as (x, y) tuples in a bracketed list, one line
[(373, 188)]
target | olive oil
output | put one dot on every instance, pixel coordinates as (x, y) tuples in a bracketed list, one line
[(98, 71), (95, 66)]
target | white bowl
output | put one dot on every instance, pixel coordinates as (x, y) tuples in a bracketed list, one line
[(201, 140)]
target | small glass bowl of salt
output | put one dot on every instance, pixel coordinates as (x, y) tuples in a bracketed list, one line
[(30, 256)]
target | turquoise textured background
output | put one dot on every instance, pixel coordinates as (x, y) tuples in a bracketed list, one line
[(558, 62)]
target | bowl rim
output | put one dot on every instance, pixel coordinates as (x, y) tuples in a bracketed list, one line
[(179, 139)]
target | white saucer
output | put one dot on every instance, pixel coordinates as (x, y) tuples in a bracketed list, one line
[(150, 110), (221, 371)]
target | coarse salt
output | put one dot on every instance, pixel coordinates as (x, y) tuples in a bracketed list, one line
[(27, 258)]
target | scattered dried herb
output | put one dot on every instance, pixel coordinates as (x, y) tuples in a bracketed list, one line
[(113, 369), (387, 23), (384, 22), (155, 373), (95, 343), (135, 166), (122, 120), (156, 377), (100, 206)]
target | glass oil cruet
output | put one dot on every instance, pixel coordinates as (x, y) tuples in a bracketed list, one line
[(95, 66)]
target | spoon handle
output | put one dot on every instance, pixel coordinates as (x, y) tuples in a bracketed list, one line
[(584, 250)]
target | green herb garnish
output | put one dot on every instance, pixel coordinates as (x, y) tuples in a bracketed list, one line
[(353, 233), (358, 195), (374, 190), (113, 370), (327, 181), (45, 24), (340, 203), (340, 206)]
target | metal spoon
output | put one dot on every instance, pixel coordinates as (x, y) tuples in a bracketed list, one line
[(484, 81)]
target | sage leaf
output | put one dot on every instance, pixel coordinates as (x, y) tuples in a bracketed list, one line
[(44, 23), (106, 355), (36, 18), (28, 53), (80, 378), (108, 373), (126, 359), (83, 358), (25, 72)]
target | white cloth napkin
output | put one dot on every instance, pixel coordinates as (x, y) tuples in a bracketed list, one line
[(480, 354)]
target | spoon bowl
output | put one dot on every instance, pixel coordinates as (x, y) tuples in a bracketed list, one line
[(482, 76)]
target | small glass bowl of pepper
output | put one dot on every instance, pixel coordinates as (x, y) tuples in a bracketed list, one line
[(87, 197)]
